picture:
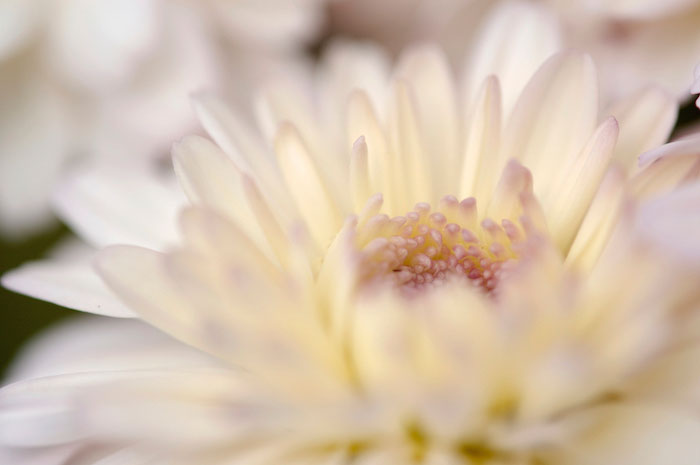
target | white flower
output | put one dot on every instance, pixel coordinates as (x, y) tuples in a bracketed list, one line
[(548, 317), (110, 78)]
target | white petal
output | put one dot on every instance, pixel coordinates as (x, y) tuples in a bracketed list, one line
[(91, 344), (43, 412), (666, 167), (646, 121), (96, 201), (516, 39), (543, 132), (70, 284)]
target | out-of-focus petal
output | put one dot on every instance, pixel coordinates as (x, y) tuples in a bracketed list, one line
[(92, 200), (90, 344), (672, 223), (70, 284), (516, 39), (633, 435), (646, 120)]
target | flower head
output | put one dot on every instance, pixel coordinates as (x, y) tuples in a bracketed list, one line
[(409, 279)]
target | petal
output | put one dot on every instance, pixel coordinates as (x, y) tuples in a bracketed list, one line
[(666, 167), (235, 307), (543, 132), (600, 220), (646, 120), (91, 344), (571, 194), (427, 72), (481, 162), (43, 412), (70, 284), (516, 39), (415, 172), (671, 222), (209, 178), (308, 185), (633, 435), (96, 201), (237, 139)]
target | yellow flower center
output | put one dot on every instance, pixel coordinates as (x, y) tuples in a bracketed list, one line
[(426, 248)]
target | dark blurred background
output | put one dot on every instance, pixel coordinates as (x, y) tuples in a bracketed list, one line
[(23, 317)]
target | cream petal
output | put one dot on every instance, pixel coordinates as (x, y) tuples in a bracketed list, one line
[(96, 202), (308, 185), (543, 132), (363, 121), (633, 435), (233, 307), (646, 120), (359, 174), (571, 194), (210, 179), (481, 161), (348, 66), (516, 39), (414, 171), (600, 220), (428, 74), (249, 152), (70, 284)]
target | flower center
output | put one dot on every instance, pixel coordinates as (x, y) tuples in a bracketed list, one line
[(425, 248)]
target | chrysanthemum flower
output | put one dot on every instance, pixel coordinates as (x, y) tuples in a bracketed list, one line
[(429, 276), (86, 77)]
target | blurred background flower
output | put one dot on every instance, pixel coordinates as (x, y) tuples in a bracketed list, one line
[(111, 78)]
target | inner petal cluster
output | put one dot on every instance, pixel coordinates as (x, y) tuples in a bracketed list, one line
[(426, 248)]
